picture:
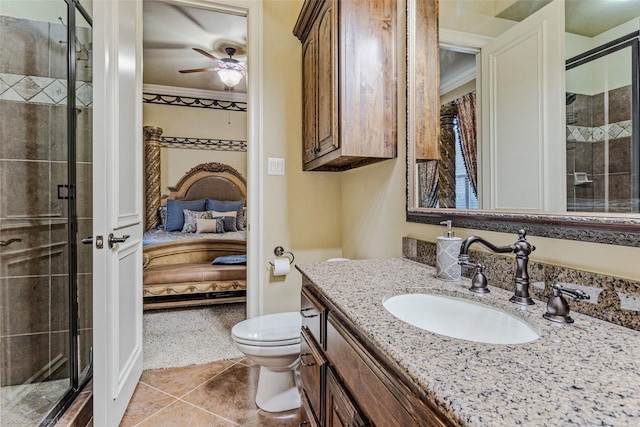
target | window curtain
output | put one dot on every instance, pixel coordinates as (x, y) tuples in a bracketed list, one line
[(427, 180), (468, 131), (447, 162)]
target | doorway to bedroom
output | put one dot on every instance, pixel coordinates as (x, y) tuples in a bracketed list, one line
[(195, 120)]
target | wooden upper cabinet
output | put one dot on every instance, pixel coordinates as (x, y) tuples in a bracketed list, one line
[(309, 55), (349, 82)]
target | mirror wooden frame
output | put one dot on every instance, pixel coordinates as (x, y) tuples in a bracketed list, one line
[(423, 139)]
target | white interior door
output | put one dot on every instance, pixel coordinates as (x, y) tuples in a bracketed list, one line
[(117, 206), (523, 115)]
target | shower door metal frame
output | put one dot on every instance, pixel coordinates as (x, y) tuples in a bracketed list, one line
[(76, 383), (630, 40)]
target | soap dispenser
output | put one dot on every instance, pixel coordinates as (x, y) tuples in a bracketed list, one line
[(447, 251)]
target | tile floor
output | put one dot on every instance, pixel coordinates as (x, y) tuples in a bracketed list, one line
[(215, 394)]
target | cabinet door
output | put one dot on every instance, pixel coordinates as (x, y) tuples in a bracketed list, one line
[(367, 78), (380, 398), (327, 80), (341, 410), (312, 366), (309, 91)]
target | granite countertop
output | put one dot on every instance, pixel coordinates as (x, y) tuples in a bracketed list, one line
[(585, 373)]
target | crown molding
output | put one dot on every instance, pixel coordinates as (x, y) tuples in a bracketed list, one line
[(461, 41), (457, 80), (195, 93)]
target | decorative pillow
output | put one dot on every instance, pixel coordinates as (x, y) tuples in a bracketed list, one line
[(162, 216), (230, 213), (229, 219), (231, 259), (204, 225), (227, 205), (229, 222), (175, 216), (190, 220)]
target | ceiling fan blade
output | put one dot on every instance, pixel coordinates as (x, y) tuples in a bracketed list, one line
[(205, 53), (198, 70)]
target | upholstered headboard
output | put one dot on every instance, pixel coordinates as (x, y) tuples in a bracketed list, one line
[(216, 181)]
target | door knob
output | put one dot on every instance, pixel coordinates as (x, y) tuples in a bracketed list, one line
[(87, 240), (113, 240)]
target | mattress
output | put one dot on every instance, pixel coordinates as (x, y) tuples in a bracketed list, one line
[(159, 235)]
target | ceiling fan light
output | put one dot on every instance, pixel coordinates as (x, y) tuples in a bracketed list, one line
[(230, 78)]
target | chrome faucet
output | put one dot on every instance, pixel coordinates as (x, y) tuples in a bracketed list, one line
[(521, 248)]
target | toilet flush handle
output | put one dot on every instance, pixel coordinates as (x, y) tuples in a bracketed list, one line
[(304, 314), (303, 362)]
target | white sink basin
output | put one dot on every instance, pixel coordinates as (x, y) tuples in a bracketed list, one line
[(460, 318)]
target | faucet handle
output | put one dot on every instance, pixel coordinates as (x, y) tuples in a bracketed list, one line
[(558, 307), (522, 245), (479, 280)]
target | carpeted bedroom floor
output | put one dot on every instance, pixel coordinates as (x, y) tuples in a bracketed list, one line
[(190, 336)]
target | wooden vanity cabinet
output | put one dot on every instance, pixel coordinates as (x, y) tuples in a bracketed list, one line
[(312, 360), (349, 105), (345, 382)]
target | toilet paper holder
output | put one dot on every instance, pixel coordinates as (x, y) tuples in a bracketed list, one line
[(279, 251)]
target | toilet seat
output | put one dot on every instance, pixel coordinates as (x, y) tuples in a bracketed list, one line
[(277, 343), (271, 330)]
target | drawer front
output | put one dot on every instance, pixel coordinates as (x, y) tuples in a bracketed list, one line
[(312, 312), (386, 399), (312, 365)]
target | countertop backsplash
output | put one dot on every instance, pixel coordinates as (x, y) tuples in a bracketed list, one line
[(613, 299)]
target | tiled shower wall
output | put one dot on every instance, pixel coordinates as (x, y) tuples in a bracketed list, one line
[(34, 289), (596, 126), (612, 299)]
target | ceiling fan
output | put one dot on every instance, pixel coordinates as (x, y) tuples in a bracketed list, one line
[(230, 70)]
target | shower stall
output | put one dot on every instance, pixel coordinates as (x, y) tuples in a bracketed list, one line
[(603, 128), (45, 208)]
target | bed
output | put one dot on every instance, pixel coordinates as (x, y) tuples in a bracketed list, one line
[(201, 259)]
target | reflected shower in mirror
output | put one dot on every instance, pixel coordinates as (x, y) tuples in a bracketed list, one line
[(602, 147)]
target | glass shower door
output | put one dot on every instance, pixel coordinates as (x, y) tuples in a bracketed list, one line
[(45, 274), (602, 130)]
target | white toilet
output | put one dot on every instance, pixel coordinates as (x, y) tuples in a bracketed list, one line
[(273, 342)]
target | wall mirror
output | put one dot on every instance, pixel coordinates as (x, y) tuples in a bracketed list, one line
[(531, 118)]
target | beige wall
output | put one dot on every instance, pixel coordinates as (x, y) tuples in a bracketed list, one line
[(189, 122), (302, 210)]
